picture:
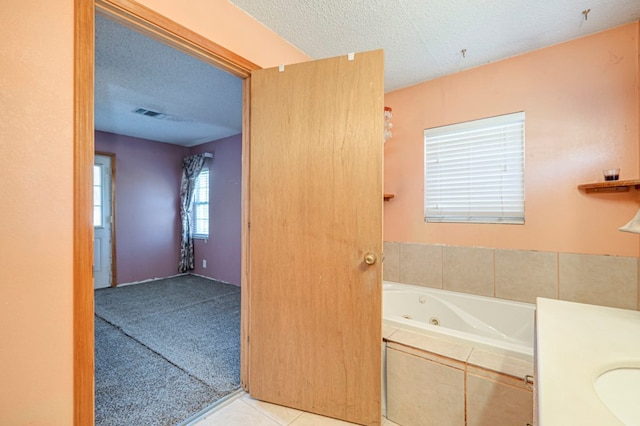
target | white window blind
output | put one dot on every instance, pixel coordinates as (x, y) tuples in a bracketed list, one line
[(201, 205), (474, 171)]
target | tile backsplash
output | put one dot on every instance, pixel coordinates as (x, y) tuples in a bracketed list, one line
[(468, 270), (420, 264), (520, 275), (524, 275)]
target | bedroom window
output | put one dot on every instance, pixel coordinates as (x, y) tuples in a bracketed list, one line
[(201, 205), (474, 171)]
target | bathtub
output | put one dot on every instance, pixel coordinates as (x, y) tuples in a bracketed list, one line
[(501, 325)]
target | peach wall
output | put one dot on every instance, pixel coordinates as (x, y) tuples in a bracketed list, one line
[(232, 28), (36, 244), (582, 115), (36, 186)]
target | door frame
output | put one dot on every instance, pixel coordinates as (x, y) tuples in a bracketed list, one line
[(142, 19), (112, 213)]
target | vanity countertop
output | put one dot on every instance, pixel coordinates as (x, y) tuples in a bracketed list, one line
[(575, 344)]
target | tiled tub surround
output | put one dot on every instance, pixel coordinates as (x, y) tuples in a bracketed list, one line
[(473, 374), (433, 381), (519, 275)]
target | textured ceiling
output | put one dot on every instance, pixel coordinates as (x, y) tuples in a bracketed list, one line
[(424, 39), (199, 102)]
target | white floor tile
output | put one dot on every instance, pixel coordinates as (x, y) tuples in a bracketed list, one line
[(308, 419), (248, 411), (283, 415), (237, 414)]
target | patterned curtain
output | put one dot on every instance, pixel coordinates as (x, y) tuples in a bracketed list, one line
[(191, 167)]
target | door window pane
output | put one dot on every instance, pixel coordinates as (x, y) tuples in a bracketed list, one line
[(97, 196)]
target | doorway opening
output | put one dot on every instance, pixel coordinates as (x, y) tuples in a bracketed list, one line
[(168, 346), (158, 27)]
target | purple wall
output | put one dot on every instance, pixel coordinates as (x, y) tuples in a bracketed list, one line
[(222, 249), (147, 207)]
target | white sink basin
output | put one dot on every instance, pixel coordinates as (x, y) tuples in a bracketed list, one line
[(619, 390)]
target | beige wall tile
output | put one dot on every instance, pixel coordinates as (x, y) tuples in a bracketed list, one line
[(494, 361), (391, 264), (387, 330), (515, 382), (599, 280), (491, 403), (421, 392), (468, 270), (446, 348), (421, 264), (524, 275)]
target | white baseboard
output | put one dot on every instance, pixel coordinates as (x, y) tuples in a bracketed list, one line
[(174, 276), (151, 279), (213, 279)]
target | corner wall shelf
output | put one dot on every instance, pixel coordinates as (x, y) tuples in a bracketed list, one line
[(387, 197), (610, 186)]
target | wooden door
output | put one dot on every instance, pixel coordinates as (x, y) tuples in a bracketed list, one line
[(315, 212)]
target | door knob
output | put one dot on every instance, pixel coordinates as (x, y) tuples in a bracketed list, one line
[(370, 258)]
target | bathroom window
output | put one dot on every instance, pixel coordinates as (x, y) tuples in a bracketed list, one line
[(474, 171), (201, 205)]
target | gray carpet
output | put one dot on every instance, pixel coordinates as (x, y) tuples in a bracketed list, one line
[(165, 349)]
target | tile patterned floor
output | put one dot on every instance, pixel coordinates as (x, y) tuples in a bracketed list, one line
[(245, 410)]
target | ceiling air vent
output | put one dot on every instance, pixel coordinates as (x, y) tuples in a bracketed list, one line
[(149, 113)]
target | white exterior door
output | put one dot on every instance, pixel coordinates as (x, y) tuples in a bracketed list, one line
[(102, 222)]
